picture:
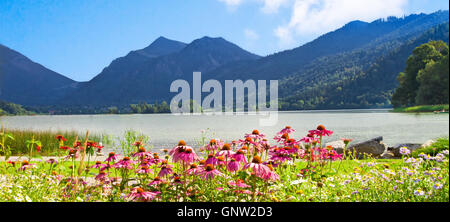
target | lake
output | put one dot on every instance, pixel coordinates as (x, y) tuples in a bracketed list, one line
[(165, 130)]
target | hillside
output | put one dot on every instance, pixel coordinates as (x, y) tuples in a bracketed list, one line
[(149, 80), (25, 82)]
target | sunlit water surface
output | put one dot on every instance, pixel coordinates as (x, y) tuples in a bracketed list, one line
[(165, 130)]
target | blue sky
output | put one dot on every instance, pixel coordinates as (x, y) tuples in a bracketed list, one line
[(79, 38)]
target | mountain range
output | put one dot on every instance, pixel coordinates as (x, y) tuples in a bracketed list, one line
[(352, 67)]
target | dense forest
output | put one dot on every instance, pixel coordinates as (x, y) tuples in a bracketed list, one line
[(426, 77), (7, 108), (353, 80)]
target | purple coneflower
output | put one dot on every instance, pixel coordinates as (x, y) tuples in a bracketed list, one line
[(193, 170), (101, 176), (238, 183), (258, 167), (142, 153), (233, 165), (255, 135), (98, 164), (287, 130), (239, 156), (156, 181), (144, 170), (26, 165), (112, 157), (188, 156), (211, 160), (209, 172), (139, 194), (321, 131), (213, 145), (52, 161), (165, 170), (281, 137), (125, 163), (225, 151)]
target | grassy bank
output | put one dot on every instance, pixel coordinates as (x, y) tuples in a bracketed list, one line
[(17, 142), (422, 109)]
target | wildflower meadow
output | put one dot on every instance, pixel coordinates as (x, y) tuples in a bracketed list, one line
[(249, 169)]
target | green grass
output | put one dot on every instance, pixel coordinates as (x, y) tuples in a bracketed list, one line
[(440, 145), (424, 108), (50, 144)]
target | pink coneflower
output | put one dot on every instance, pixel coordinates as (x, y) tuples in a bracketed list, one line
[(279, 155), (346, 141), (225, 151), (165, 170), (156, 159), (125, 163), (321, 131), (238, 183), (291, 142), (144, 170), (271, 174), (178, 151), (213, 145), (281, 138), (308, 139), (211, 160), (112, 157), (101, 176), (255, 135), (137, 144), (98, 164), (156, 181), (52, 161), (258, 167), (26, 165), (233, 165), (142, 153), (333, 155), (287, 130), (106, 166), (247, 142), (239, 156), (139, 194), (220, 161), (188, 156), (193, 170), (209, 172), (177, 181)]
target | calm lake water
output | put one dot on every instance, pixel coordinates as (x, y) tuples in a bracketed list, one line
[(165, 130)]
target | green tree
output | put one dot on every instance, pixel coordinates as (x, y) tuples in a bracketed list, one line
[(434, 83), (406, 93)]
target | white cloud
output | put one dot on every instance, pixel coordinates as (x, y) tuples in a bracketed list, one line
[(285, 36), (232, 3), (251, 34), (321, 16), (272, 6), (269, 6)]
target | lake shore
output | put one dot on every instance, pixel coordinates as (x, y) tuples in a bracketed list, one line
[(424, 109)]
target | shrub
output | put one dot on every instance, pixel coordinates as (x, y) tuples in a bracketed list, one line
[(440, 145)]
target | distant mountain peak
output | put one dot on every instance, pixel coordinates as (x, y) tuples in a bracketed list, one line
[(161, 46), (356, 24)]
